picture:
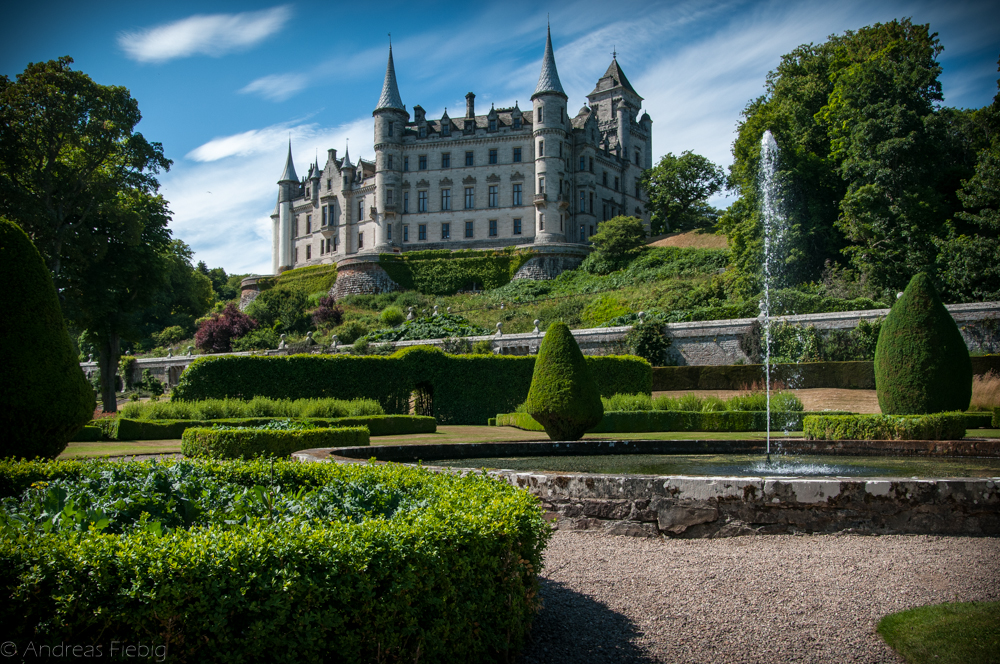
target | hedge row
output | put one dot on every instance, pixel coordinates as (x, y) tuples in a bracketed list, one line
[(979, 420), (453, 581), (87, 434), (938, 426), (804, 376), (996, 418), (463, 389), (445, 272), (647, 421), (252, 443), (378, 425)]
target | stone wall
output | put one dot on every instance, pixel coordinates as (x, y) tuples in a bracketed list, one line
[(551, 261), (361, 276)]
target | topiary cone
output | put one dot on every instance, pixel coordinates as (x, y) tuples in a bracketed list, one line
[(45, 396), (563, 397), (922, 364)]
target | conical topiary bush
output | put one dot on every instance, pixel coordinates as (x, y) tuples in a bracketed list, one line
[(563, 397), (922, 364), (45, 396)]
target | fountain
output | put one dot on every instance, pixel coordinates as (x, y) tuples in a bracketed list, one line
[(774, 230)]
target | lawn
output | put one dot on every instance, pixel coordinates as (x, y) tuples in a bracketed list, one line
[(962, 633)]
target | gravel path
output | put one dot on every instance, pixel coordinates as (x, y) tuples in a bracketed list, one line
[(774, 598)]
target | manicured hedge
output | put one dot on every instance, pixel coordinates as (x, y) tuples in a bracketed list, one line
[(378, 425), (996, 418), (252, 443), (445, 272), (87, 434), (465, 389), (804, 376), (453, 581), (937, 426), (978, 420), (643, 421)]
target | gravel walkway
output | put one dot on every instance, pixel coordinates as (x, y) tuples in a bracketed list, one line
[(774, 598)]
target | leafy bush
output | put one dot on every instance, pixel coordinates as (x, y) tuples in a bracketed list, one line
[(617, 241), (922, 364), (212, 409), (251, 442), (328, 313), (429, 327), (45, 395), (754, 401), (456, 346), (444, 272), (281, 309), (626, 402), (216, 334), (647, 340), (263, 338), (937, 426), (392, 316), (482, 347), (350, 332), (844, 375), (563, 397), (642, 421), (169, 336), (292, 554), (151, 383), (123, 428), (308, 279), (464, 389)]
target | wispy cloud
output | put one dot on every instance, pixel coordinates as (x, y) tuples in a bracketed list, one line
[(203, 34), (222, 193), (277, 87)]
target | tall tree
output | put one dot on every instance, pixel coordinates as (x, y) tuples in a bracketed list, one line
[(679, 189)]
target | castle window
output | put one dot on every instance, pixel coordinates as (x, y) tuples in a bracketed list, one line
[(517, 226), (422, 162), (517, 122), (345, 181), (517, 155), (406, 163), (604, 178), (541, 221), (324, 216), (541, 148), (560, 222), (560, 150), (636, 157), (591, 230), (446, 160), (605, 216), (406, 202), (361, 240), (446, 128), (541, 185), (309, 224), (296, 254), (591, 164), (406, 233), (328, 184), (445, 231), (517, 194), (335, 244), (389, 164), (469, 229), (361, 210), (616, 183), (422, 232), (423, 132), (470, 126), (470, 158), (583, 163), (493, 155), (421, 201), (591, 202), (493, 227), (539, 114), (493, 125), (446, 199), (583, 202), (309, 252), (493, 195), (470, 198), (390, 128), (388, 196), (388, 232), (637, 189)]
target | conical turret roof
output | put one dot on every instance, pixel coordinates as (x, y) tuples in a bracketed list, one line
[(288, 175), (347, 159), (548, 79), (390, 92)]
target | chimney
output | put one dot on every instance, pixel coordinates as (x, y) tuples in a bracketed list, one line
[(470, 105), (331, 155)]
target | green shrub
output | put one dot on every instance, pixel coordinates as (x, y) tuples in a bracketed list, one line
[(647, 340), (842, 375), (282, 309), (309, 279), (170, 336), (392, 316), (429, 327), (444, 272), (482, 347), (123, 428), (649, 421), (248, 443), (563, 396), (627, 402), (464, 389), (262, 338), (937, 426), (46, 397), (617, 241), (304, 562), (921, 361), (210, 409), (350, 332), (87, 434)]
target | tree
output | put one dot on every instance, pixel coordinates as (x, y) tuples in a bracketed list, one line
[(46, 398), (678, 190), (185, 296), (216, 334), (282, 309), (922, 364), (563, 396), (616, 242), (225, 286)]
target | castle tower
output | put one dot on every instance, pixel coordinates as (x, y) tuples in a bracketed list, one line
[(282, 250), (549, 134), (349, 232), (390, 119)]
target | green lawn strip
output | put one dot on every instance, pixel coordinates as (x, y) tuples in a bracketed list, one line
[(961, 633)]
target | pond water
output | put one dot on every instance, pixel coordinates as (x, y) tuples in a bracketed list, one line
[(742, 465)]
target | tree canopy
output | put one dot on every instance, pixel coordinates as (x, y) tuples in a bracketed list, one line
[(678, 190)]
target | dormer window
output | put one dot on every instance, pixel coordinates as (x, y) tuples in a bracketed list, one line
[(446, 128), (493, 125), (470, 126), (517, 122), (423, 132)]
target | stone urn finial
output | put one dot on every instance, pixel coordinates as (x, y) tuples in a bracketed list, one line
[(499, 330), (335, 343), (449, 310), (435, 310), (501, 306), (190, 351), (536, 326), (642, 316), (410, 316), (281, 344), (170, 352)]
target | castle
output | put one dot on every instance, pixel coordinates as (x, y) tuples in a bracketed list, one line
[(535, 177)]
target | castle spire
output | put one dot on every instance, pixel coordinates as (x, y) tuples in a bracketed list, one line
[(548, 80), (288, 175), (390, 92), (347, 158)]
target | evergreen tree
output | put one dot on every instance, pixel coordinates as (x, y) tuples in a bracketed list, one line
[(563, 397)]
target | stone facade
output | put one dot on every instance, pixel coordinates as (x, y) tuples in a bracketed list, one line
[(357, 276), (509, 177)]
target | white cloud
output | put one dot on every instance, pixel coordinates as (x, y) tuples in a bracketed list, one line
[(277, 87), (205, 34), (223, 192)]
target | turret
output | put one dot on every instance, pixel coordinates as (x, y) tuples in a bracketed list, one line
[(288, 185), (390, 119), (549, 134)]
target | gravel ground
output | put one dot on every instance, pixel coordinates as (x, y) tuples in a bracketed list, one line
[(774, 598)]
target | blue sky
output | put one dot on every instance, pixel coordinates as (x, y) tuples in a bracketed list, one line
[(223, 84)]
